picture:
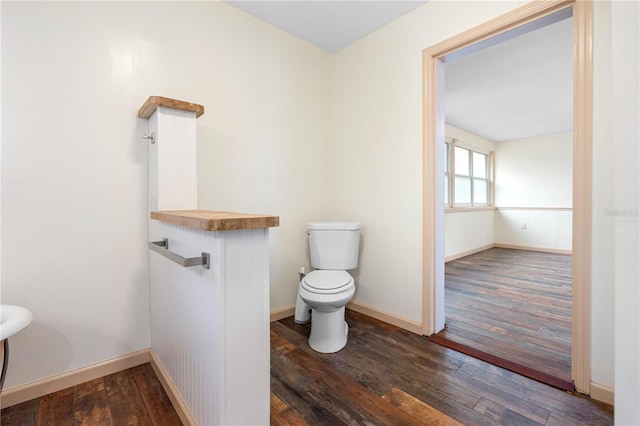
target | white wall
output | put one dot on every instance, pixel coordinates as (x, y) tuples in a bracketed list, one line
[(468, 231), (535, 229), (74, 165), (616, 233), (535, 171), (377, 146), (534, 186), (377, 92), (533, 183)]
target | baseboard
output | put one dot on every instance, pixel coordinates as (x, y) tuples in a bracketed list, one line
[(468, 253), (281, 313), (20, 394), (172, 392), (602, 393), (387, 317), (376, 313), (541, 249)]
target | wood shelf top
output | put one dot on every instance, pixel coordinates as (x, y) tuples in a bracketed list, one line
[(207, 220), (154, 102)]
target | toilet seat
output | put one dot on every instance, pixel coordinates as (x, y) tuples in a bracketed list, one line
[(327, 281)]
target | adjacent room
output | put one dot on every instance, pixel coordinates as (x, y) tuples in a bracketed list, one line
[(508, 196)]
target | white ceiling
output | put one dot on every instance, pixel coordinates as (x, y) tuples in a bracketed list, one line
[(517, 88), (330, 25)]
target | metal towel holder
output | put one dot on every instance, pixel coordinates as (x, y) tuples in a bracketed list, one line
[(162, 247)]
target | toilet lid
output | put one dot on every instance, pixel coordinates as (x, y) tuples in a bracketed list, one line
[(322, 281)]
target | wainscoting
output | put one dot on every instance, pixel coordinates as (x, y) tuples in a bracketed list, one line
[(469, 231)]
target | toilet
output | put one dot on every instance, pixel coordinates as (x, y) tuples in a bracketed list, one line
[(324, 292)]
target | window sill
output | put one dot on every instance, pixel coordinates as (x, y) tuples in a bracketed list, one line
[(468, 209)]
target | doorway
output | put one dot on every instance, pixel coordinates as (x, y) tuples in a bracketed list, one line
[(522, 19), (508, 198)]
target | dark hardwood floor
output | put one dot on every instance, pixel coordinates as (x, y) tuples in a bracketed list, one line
[(384, 376), (389, 376), (514, 305), (130, 397)]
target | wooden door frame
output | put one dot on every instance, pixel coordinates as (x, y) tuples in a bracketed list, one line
[(433, 131)]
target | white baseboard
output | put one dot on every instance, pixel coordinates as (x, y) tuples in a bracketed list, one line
[(172, 392), (468, 253), (285, 312), (602, 393), (541, 249), (19, 394), (379, 314)]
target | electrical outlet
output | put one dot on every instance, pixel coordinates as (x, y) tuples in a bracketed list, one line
[(523, 225)]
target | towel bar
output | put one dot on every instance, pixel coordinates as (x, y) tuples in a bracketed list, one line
[(162, 247)]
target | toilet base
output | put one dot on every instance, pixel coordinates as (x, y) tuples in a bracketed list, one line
[(329, 331)]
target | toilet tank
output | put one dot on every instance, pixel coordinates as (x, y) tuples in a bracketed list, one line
[(334, 245)]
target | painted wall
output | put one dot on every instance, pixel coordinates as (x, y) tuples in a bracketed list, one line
[(377, 146), (377, 92), (526, 176), (534, 228), (467, 231), (74, 209), (535, 172), (616, 205)]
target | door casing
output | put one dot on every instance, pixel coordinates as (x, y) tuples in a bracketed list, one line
[(433, 136)]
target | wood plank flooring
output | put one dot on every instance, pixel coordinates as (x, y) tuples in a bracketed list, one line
[(512, 304), (389, 376), (130, 397), (384, 376)]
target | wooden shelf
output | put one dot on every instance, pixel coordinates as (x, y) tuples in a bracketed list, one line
[(154, 102), (207, 220)]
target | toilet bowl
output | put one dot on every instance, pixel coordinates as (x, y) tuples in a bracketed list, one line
[(324, 292), (327, 293)]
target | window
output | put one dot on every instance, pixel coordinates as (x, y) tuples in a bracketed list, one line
[(470, 185)]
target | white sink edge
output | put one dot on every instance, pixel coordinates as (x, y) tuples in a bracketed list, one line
[(13, 319)]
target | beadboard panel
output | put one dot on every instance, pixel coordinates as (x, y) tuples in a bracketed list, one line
[(245, 280), (209, 327), (172, 160), (545, 228), (186, 327)]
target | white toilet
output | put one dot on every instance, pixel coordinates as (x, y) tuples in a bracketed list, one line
[(324, 292)]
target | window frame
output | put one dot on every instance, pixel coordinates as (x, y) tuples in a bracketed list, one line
[(449, 172)]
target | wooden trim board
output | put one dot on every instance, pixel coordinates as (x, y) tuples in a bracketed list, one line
[(504, 246), (172, 392), (540, 249), (552, 209), (40, 388), (504, 363), (362, 308), (468, 253), (433, 311), (37, 389), (389, 318), (602, 393), (208, 220), (153, 102), (281, 313)]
